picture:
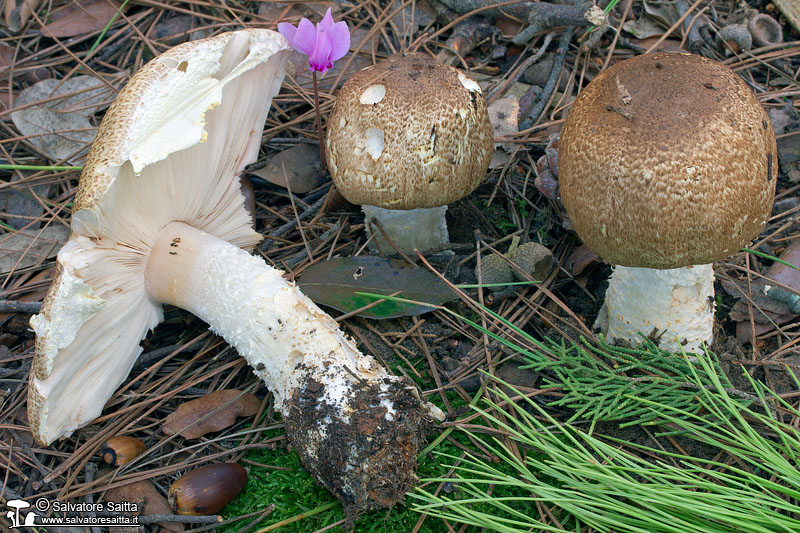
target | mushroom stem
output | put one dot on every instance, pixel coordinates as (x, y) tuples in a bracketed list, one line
[(422, 229), (353, 425), (674, 307)]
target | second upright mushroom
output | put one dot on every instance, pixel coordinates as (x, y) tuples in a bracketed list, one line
[(667, 163), (406, 137), (159, 219)]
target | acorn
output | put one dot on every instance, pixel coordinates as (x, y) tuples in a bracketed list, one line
[(207, 490), (121, 450)]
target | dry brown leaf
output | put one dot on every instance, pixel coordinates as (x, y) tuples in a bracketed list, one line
[(80, 17), (17, 13), (144, 494), (579, 259), (6, 56), (503, 115), (292, 13), (23, 203), (212, 412), (60, 127), (6, 100), (299, 165), (25, 248)]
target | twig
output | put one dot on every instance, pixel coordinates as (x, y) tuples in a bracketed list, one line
[(541, 16), (297, 258), (14, 306), (183, 519), (520, 70), (532, 115), (312, 209)]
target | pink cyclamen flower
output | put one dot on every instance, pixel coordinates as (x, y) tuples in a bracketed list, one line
[(323, 45)]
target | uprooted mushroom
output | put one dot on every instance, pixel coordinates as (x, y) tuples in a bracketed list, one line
[(159, 219)]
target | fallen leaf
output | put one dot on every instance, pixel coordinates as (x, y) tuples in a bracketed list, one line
[(499, 159), (80, 17), (335, 283), (642, 28), (579, 259), (299, 164), (148, 500), (408, 19), (503, 114), (6, 100), (23, 201), (41, 283), (358, 36), (177, 29), (765, 309), (668, 45), (313, 11), (17, 13), (664, 13), (6, 56), (213, 412), (57, 120), (25, 248)]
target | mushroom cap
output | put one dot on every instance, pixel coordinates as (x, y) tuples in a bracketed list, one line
[(170, 148), (408, 133), (667, 160)]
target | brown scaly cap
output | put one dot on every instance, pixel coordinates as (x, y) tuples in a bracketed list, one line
[(409, 133), (667, 160)]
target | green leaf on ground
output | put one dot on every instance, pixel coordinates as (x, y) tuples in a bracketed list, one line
[(336, 283)]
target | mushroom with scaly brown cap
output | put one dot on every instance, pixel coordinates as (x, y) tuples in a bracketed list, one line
[(159, 218), (667, 163), (406, 137)]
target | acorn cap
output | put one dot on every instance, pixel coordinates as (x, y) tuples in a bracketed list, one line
[(408, 133), (170, 148), (495, 269), (667, 160), (531, 257)]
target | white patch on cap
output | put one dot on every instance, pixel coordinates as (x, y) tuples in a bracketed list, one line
[(374, 144), (468, 83), (372, 94)]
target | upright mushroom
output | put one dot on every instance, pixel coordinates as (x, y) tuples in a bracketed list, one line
[(159, 219), (406, 137), (667, 163)]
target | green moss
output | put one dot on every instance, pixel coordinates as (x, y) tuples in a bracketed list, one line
[(293, 491)]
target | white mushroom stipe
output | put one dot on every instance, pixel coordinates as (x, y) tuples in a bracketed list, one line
[(373, 94), (403, 228), (673, 306), (324, 386), (257, 312)]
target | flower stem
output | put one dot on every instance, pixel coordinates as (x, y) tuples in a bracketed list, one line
[(323, 163)]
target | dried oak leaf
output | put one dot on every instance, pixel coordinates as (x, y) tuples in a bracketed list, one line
[(212, 412), (299, 166), (25, 248), (55, 115), (80, 17)]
